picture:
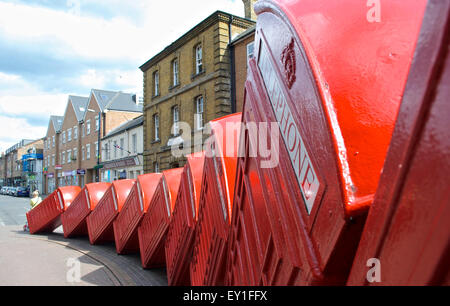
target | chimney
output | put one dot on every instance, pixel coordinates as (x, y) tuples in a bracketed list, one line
[(249, 10)]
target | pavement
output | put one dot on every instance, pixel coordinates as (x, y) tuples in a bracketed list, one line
[(52, 260)]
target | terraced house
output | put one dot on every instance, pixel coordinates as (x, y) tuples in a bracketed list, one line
[(72, 146), (189, 81)]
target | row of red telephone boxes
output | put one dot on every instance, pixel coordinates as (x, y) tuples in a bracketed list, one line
[(353, 173)]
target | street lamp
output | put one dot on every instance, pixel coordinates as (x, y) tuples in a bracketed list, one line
[(97, 179)]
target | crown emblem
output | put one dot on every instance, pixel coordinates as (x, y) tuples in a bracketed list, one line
[(289, 63)]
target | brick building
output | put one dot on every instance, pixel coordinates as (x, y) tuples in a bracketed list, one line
[(189, 81), (51, 153), (241, 49), (71, 155), (2, 169)]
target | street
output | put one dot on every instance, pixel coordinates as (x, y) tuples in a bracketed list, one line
[(51, 260)]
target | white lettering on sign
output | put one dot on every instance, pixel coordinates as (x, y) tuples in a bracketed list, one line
[(303, 167)]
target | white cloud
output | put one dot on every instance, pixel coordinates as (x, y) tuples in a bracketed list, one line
[(118, 37), (42, 104), (15, 129)]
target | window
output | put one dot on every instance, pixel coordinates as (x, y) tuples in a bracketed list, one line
[(96, 149), (115, 149), (63, 160), (64, 137), (75, 154), (53, 159), (82, 130), (156, 126), (250, 50), (175, 69), (176, 120), (122, 145), (134, 143), (131, 175), (107, 152), (53, 141), (82, 153), (88, 127), (156, 83), (156, 167), (199, 112), (69, 156), (198, 59), (75, 132), (69, 135), (97, 123), (88, 151)]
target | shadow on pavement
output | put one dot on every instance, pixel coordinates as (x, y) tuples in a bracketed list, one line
[(122, 269)]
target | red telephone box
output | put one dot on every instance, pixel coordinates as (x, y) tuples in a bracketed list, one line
[(46, 217), (216, 202), (153, 228), (330, 86), (100, 221), (180, 235), (74, 217), (133, 210), (406, 239)]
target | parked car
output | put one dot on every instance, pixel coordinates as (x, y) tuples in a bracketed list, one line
[(22, 192), (12, 191), (4, 190)]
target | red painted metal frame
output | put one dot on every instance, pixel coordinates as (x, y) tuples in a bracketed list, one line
[(135, 207), (344, 116), (153, 228), (100, 221), (180, 235), (216, 202), (46, 217), (74, 217), (407, 227)]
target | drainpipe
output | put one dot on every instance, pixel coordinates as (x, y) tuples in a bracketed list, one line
[(232, 74)]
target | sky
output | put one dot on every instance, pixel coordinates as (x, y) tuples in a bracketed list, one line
[(50, 49)]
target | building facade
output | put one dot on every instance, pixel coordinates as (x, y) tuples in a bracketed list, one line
[(13, 162), (188, 82), (72, 146), (31, 165), (122, 151), (51, 153), (2, 170), (241, 48)]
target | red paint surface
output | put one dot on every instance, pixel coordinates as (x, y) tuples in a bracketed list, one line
[(133, 210), (46, 217), (180, 235), (74, 217), (100, 221), (216, 202), (350, 76), (407, 227), (152, 230), (361, 70)]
